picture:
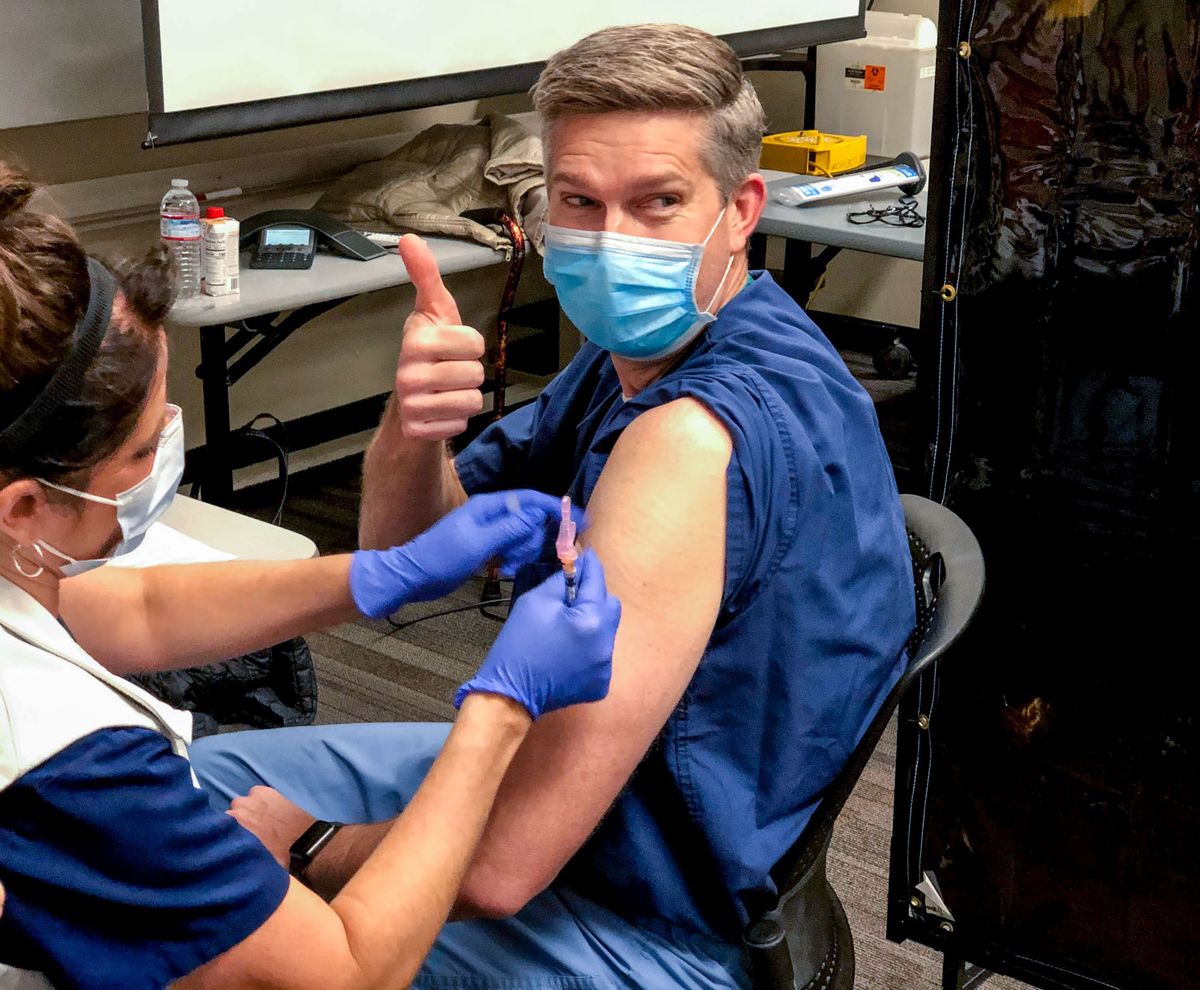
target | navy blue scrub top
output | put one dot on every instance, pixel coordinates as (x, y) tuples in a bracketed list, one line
[(816, 607), (118, 873)]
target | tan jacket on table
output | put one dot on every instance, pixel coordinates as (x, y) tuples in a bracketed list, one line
[(444, 171)]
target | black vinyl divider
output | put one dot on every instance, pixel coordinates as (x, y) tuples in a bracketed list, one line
[(1053, 802)]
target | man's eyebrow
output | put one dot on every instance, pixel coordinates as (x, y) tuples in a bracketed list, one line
[(570, 178), (660, 180), (647, 182)]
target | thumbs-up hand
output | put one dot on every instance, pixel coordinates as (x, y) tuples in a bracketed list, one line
[(440, 369)]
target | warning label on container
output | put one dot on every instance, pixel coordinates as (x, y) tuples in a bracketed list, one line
[(872, 77)]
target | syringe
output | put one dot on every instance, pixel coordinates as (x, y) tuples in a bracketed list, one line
[(564, 546)]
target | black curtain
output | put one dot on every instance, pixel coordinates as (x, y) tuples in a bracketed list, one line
[(1062, 382)]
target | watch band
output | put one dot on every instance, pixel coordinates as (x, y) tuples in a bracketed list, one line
[(304, 850)]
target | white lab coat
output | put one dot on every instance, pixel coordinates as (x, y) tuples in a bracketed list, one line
[(52, 694)]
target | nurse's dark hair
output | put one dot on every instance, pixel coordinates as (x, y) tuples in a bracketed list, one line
[(660, 67), (44, 291)]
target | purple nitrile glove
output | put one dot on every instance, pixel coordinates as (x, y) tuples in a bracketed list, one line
[(510, 525), (550, 654)]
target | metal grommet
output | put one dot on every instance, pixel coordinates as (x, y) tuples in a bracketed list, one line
[(948, 293), (922, 721), (964, 49), (946, 927), (915, 901)]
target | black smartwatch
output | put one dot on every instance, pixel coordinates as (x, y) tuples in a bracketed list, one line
[(304, 850)]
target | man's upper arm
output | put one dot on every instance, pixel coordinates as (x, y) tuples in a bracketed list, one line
[(658, 523)]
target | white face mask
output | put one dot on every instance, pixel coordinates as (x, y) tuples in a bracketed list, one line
[(139, 507)]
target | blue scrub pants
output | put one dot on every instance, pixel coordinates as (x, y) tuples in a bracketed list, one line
[(367, 773)]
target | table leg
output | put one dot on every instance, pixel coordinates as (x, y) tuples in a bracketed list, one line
[(797, 276), (217, 475)]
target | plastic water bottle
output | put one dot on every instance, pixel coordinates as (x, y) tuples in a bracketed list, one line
[(179, 225)]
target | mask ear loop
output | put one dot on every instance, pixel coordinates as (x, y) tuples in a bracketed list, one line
[(21, 570), (720, 285), (728, 265)]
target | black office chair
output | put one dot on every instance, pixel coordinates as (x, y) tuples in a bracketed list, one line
[(802, 940)]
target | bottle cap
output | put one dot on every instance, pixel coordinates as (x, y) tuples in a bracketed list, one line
[(179, 183), (214, 213)]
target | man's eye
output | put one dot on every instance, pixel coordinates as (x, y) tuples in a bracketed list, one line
[(665, 202), (579, 201)]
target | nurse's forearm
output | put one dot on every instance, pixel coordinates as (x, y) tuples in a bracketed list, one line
[(173, 616), (344, 856), (403, 894), (378, 930), (408, 485)]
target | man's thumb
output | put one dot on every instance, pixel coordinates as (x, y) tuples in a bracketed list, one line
[(433, 300)]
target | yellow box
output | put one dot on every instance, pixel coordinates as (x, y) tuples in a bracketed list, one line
[(813, 153)]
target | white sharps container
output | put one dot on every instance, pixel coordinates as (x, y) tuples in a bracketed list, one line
[(881, 85)]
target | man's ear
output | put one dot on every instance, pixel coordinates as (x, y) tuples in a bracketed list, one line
[(22, 508), (746, 207)]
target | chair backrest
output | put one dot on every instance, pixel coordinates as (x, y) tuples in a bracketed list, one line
[(949, 586)]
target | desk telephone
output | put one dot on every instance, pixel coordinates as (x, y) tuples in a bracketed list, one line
[(288, 239)]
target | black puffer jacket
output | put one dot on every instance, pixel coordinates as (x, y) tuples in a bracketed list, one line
[(266, 689)]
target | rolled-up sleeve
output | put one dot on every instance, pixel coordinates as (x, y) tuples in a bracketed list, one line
[(497, 457)]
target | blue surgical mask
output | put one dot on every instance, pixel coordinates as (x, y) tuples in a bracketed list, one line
[(633, 296), (139, 507)]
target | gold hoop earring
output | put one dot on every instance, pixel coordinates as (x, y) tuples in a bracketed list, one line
[(17, 563)]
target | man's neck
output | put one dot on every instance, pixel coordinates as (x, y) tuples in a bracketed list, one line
[(637, 375)]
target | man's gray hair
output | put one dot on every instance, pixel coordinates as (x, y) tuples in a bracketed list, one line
[(650, 67)]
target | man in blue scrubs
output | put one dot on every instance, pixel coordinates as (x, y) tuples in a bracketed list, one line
[(742, 501)]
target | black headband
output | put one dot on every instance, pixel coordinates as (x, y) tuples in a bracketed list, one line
[(66, 383)]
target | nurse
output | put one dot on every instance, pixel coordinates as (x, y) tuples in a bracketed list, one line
[(116, 870)]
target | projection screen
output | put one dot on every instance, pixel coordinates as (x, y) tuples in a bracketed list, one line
[(249, 66)]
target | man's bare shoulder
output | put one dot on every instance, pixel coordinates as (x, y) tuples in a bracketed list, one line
[(665, 478), (683, 428)]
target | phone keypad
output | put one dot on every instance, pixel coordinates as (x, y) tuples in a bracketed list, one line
[(281, 258)]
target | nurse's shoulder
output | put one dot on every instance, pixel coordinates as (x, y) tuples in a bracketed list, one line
[(49, 702)]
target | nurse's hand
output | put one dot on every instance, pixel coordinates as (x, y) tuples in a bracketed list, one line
[(510, 525), (550, 654), (439, 371)]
